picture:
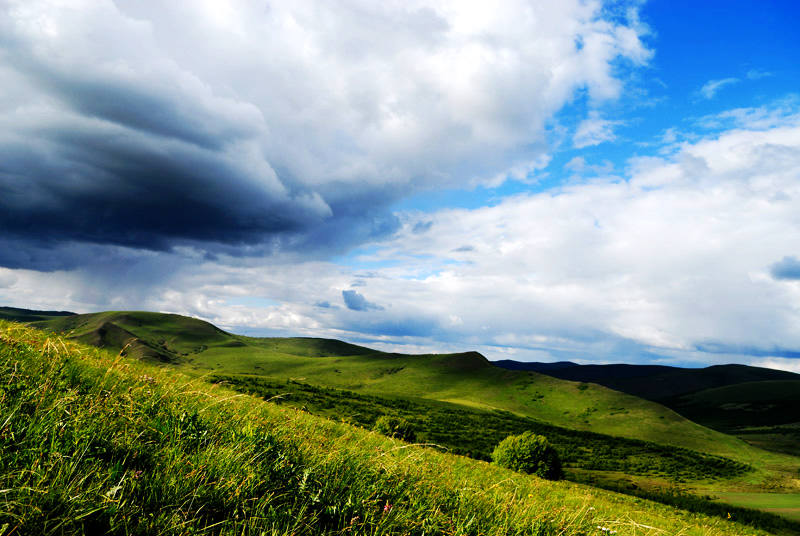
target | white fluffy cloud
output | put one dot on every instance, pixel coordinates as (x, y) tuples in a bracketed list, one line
[(594, 130), (674, 261), (710, 88), (286, 123)]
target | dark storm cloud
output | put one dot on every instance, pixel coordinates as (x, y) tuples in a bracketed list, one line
[(142, 154), (357, 302), (243, 131), (787, 268), (108, 186)]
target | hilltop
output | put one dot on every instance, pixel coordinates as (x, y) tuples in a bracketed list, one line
[(467, 379), (97, 443), (461, 401), (759, 405)]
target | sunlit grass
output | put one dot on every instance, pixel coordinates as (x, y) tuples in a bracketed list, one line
[(93, 443)]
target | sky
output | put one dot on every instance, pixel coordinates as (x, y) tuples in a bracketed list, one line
[(594, 181)]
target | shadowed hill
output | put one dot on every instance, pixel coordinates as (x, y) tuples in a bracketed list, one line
[(653, 382), (98, 445), (764, 403), (468, 379), (753, 403), (29, 315)]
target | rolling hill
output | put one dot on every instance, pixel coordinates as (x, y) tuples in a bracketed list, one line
[(653, 382), (327, 377), (759, 405), (29, 315), (93, 443), (467, 379)]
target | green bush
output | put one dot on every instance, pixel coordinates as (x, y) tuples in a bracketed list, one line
[(395, 427), (529, 453)]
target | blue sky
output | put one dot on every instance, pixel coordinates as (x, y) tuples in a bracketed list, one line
[(587, 180)]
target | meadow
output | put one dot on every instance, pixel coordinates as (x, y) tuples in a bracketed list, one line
[(462, 404), (92, 442)]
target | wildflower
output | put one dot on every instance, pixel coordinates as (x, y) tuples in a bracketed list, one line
[(387, 507)]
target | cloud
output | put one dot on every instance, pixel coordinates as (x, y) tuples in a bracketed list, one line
[(790, 365), (671, 264), (357, 302), (256, 130), (579, 165), (757, 74), (788, 269), (593, 131), (7, 278), (710, 88)]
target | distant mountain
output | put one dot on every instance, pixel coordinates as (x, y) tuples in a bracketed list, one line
[(467, 379), (759, 405), (653, 382), (29, 315)]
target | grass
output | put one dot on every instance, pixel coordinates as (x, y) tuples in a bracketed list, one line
[(787, 505), (93, 443), (467, 384), (475, 432), (466, 379)]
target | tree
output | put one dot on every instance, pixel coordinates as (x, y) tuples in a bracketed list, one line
[(395, 427), (529, 453)]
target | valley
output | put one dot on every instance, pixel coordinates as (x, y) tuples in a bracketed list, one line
[(464, 404)]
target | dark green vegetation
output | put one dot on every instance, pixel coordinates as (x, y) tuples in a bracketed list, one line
[(528, 453), (466, 379), (762, 406), (459, 401), (475, 433), (27, 315), (763, 413), (93, 443), (654, 382), (395, 427)]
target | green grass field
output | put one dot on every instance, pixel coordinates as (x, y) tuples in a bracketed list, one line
[(784, 504), (467, 379), (464, 381), (92, 443)]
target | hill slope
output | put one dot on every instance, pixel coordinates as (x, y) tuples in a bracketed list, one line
[(467, 379), (29, 315), (653, 382), (95, 444), (752, 403)]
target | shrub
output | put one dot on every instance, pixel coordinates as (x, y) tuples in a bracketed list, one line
[(529, 453), (395, 427)]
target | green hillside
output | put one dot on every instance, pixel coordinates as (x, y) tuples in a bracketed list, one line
[(28, 315), (658, 383), (758, 405), (94, 443), (467, 379), (497, 399), (764, 413)]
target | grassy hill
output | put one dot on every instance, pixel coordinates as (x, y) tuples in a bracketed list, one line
[(467, 379), (499, 401), (29, 315), (759, 405), (654, 382), (94, 443), (764, 413)]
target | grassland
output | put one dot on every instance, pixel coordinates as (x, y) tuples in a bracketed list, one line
[(466, 379), (92, 442), (493, 400)]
